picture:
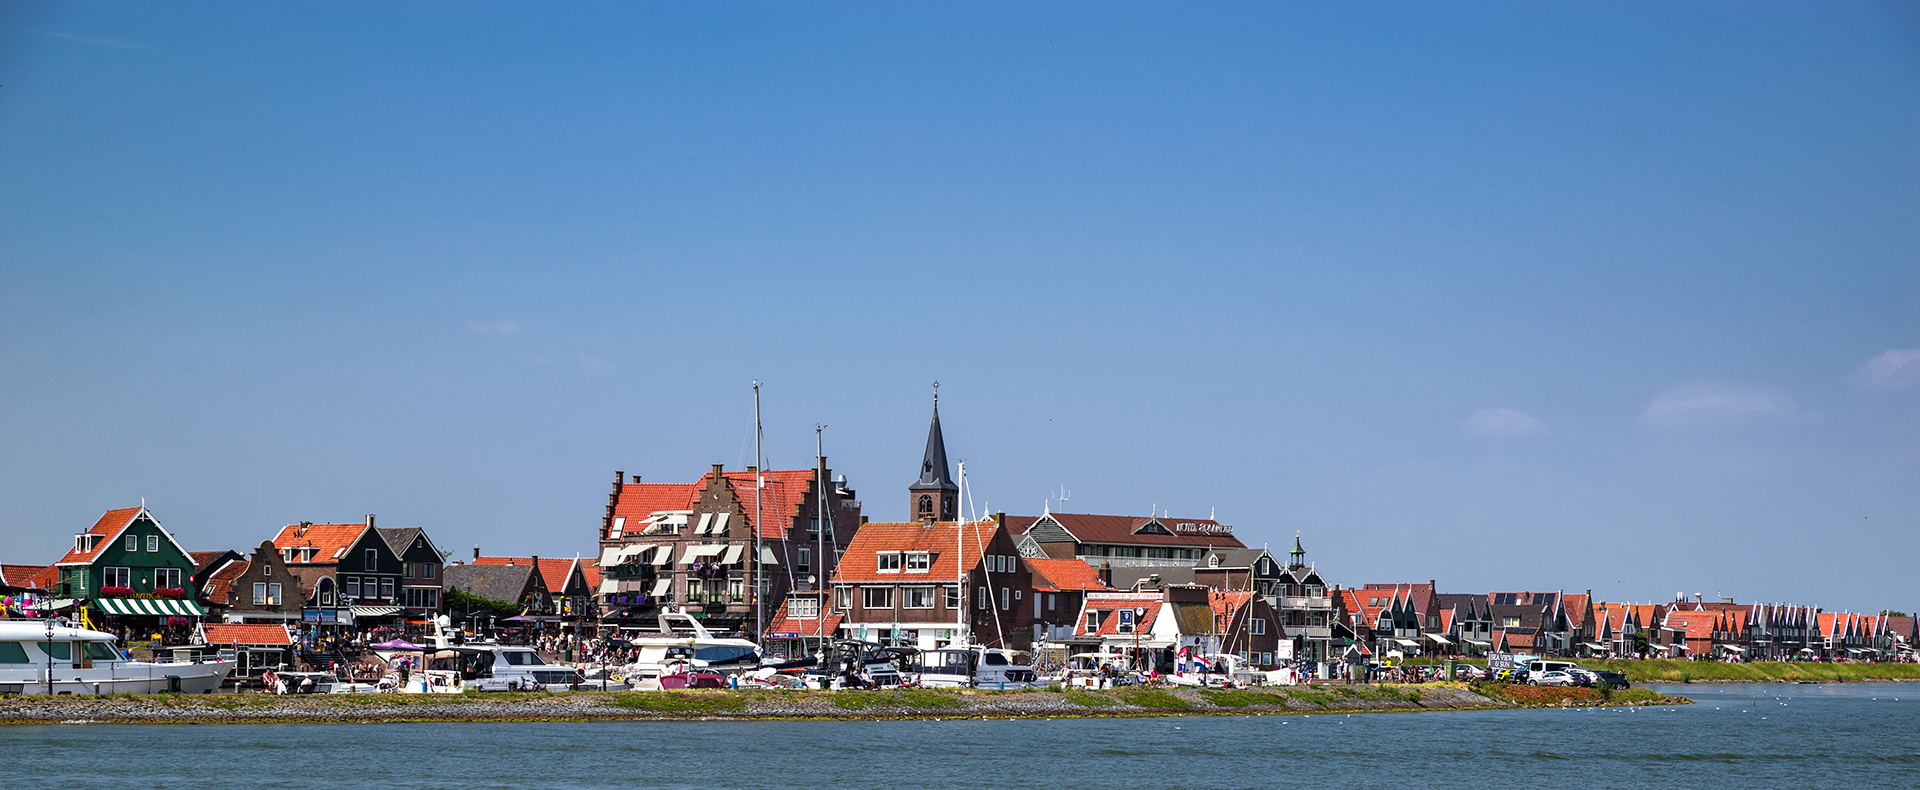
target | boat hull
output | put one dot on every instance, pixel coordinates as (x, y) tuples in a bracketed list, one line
[(130, 677)]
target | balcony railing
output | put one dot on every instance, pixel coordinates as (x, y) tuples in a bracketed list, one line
[(1305, 602), (1311, 631)]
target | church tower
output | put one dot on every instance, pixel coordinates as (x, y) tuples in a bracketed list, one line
[(934, 495)]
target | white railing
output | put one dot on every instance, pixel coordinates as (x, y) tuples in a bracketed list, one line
[(1311, 631), (1305, 602)]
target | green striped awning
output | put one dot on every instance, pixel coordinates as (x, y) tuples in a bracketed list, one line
[(162, 607)]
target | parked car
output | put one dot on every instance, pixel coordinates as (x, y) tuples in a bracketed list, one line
[(1556, 678), (1613, 679), (1469, 672), (1515, 675)]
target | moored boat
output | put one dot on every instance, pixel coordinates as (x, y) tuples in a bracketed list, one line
[(46, 657)]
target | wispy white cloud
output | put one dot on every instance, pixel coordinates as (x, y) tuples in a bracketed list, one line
[(494, 327), (1895, 369), (1716, 402), (1508, 423), (98, 42)]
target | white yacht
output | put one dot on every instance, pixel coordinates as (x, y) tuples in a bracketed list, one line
[(972, 667), (685, 645), (47, 657)]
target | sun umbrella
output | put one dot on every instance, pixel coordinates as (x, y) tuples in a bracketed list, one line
[(397, 644)]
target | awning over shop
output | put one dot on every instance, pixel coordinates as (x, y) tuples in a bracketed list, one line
[(702, 551), (150, 607), (662, 587), (1407, 642), (733, 555), (1734, 648), (374, 611), (1477, 643), (663, 554), (1593, 645), (609, 584), (1442, 639)]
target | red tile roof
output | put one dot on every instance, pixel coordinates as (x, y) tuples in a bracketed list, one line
[(1109, 605), (590, 568), (220, 584), (1063, 575), (331, 540), (109, 526), (780, 501), (23, 575), (809, 627), (1091, 528), (860, 562), (1226, 606), (232, 634)]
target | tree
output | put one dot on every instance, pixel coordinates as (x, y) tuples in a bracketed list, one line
[(1891, 613)]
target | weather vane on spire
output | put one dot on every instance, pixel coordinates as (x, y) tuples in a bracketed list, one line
[(936, 393)]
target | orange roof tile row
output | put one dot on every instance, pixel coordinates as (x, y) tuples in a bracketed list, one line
[(330, 540), (860, 563), (235, 634), (1064, 575), (109, 526)]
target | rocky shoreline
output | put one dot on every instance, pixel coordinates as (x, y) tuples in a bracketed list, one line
[(767, 705)]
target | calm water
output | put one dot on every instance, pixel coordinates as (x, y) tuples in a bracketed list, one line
[(1851, 736)]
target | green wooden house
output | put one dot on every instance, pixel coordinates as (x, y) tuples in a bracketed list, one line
[(129, 566)]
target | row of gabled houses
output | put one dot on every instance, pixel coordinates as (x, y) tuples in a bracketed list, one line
[(788, 555), (1414, 619)]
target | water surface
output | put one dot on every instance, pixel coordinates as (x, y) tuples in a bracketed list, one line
[(1768, 736)]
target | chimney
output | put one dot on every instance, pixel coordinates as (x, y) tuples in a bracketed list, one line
[(716, 470), (636, 480), (752, 468), (476, 553), (370, 521), (1106, 573)]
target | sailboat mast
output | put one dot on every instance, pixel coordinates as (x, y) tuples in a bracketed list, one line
[(961, 637), (759, 482)]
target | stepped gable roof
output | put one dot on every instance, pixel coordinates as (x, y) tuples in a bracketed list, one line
[(24, 576), (552, 571), (253, 634), (860, 563), (219, 586), (1109, 604), (109, 527), (780, 501), (1064, 575), (494, 582), (1143, 530), (331, 541), (784, 622)]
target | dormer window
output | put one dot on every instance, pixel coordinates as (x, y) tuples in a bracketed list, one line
[(889, 562), (919, 562)]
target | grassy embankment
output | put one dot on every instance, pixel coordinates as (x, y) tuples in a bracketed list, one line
[(1669, 671)]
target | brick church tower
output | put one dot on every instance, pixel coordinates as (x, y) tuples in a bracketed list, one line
[(934, 495)]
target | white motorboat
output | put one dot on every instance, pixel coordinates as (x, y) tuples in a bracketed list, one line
[(971, 667), (481, 666), (47, 657), (290, 682), (685, 645)]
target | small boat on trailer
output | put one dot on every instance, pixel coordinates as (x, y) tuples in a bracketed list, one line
[(49, 657)]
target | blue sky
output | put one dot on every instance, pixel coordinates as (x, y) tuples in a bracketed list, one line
[(1609, 296)]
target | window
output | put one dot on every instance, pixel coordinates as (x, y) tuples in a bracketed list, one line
[(353, 587), (166, 578), (1006, 599), (926, 505), (980, 598), (373, 560), (133, 543), (428, 569), (805, 562), (876, 597), (737, 590), (266, 569), (386, 588), (259, 593), (13, 653), (917, 598), (803, 608), (843, 597), (919, 561), (953, 597), (889, 562), (326, 592), (273, 594), (1093, 619), (406, 570), (117, 577), (153, 543), (1259, 627), (431, 598), (1509, 622), (1050, 602)]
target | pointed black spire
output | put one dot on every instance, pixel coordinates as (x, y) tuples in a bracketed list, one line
[(935, 474)]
